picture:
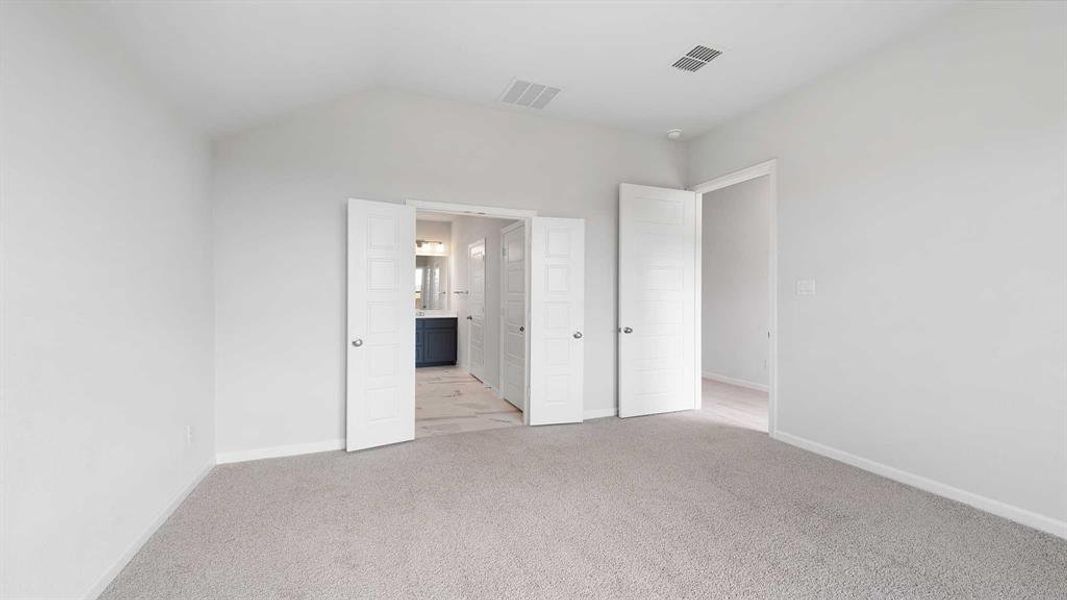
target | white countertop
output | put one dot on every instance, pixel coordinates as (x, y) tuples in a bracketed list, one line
[(434, 314)]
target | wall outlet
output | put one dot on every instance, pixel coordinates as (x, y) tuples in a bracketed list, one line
[(188, 434), (805, 287)]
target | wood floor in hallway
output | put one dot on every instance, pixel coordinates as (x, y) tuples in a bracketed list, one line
[(450, 400), (734, 405)]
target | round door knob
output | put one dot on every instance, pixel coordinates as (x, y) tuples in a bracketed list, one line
[(627, 330), (521, 329), (357, 342), (577, 335), (469, 318)]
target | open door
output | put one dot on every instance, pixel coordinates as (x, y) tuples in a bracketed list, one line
[(658, 313), (513, 314), (476, 309), (557, 313), (381, 324)]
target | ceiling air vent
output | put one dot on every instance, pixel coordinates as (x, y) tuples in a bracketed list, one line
[(696, 58), (530, 95)]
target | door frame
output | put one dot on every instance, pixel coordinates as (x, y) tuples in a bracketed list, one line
[(471, 210), (770, 169), (525, 307), (493, 212)]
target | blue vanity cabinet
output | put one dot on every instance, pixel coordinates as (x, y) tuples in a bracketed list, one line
[(420, 346), (435, 341)]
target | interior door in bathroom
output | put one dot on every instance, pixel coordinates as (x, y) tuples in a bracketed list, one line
[(513, 315), (476, 309)]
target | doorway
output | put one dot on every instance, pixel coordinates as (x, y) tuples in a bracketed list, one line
[(745, 200), (735, 299), (461, 388), (530, 361)]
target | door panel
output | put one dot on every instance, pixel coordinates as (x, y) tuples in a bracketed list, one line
[(513, 317), (657, 300), (380, 383), (557, 312), (476, 308)]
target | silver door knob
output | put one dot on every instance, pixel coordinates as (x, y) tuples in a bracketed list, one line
[(469, 318), (357, 342), (627, 330), (522, 329), (577, 335)]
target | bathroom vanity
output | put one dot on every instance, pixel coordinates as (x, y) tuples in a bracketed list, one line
[(435, 325), (435, 338)]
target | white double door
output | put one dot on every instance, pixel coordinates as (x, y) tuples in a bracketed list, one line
[(380, 361), (659, 316)]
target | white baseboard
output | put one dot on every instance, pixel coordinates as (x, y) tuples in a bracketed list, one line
[(599, 413), (109, 575), (278, 451), (762, 387), (996, 507)]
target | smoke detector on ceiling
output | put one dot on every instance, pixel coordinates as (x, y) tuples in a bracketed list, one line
[(695, 59), (528, 94)]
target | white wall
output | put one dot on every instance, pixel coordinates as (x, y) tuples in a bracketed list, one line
[(107, 305), (466, 230), (736, 296), (923, 188), (438, 231), (280, 190)]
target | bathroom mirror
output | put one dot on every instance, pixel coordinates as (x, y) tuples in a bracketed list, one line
[(431, 282)]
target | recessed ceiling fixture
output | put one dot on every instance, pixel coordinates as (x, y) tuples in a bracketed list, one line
[(695, 59), (528, 94), (674, 134)]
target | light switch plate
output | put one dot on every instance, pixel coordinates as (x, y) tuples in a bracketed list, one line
[(805, 287)]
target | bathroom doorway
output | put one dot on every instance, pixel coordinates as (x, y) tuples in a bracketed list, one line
[(398, 330), (460, 344)]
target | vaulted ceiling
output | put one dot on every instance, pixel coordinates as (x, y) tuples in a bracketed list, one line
[(230, 64)]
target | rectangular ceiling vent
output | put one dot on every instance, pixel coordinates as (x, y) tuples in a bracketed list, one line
[(528, 94), (695, 59)]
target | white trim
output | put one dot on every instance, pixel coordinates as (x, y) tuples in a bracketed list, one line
[(223, 458), (996, 507), (762, 387), (528, 279), (109, 575), (453, 208), (698, 302), (769, 168), (599, 413)]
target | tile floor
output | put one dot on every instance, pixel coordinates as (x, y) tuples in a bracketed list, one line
[(448, 400)]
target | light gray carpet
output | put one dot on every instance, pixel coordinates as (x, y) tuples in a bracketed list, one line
[(671, 506)]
